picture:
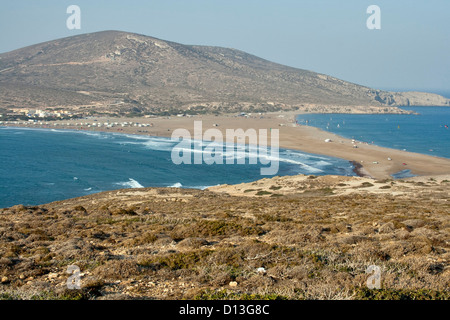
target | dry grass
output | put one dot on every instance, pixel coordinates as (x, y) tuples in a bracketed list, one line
[(176, 244)]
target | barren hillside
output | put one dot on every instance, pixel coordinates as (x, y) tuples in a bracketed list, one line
[(301, 237), (125, 72)]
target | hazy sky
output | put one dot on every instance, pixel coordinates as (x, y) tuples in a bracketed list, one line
[(411, 51)]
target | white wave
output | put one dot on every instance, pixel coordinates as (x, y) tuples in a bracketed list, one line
[(322, 163), (304, 166), (130, 136), (159, 145), (140, 137), (310, 163), (131, 184), (239, 152), (176, 185), (87, 133), (151, 143), (88, 189), (303, 155), (100, 135), (21, 129), (188, 150), (206, 187), (143, 138)]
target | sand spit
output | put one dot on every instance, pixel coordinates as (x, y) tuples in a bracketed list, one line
[(374, 161)]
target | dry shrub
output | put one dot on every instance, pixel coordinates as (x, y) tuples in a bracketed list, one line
[(117, 269), (211, 228), (143, 239), (193, 243), (310, 246)]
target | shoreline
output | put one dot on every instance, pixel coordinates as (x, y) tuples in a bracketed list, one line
[(369, 160), (359, 169)]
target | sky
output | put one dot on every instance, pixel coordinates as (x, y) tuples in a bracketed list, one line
[(409, 52)]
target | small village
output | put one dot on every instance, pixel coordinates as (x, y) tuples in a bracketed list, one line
[(81, 125)]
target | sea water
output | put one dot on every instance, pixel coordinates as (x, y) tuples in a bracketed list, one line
[(43, 165), (427, 132)]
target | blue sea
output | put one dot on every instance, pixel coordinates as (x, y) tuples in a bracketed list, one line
[(43, 165), (427, 133), (38, 166)]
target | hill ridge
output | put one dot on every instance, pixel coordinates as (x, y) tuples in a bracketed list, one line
[(118, 71)]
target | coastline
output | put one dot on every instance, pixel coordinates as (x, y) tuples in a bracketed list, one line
[(368, 160), (359, 169)]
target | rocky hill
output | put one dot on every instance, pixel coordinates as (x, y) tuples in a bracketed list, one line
[(121, 71)]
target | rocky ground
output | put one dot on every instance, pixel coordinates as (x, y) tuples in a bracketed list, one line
[(301, 237)]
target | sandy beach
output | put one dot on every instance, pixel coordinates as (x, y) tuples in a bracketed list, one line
[(374, 161)]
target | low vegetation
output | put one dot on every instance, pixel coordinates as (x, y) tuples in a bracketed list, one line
[(192, 244)]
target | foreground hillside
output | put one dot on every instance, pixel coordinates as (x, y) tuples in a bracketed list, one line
[(301, 237)]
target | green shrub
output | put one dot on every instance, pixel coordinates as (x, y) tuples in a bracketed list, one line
[(400, 294), (263, 193), (366, 185), (176, 261), (229, 295)]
